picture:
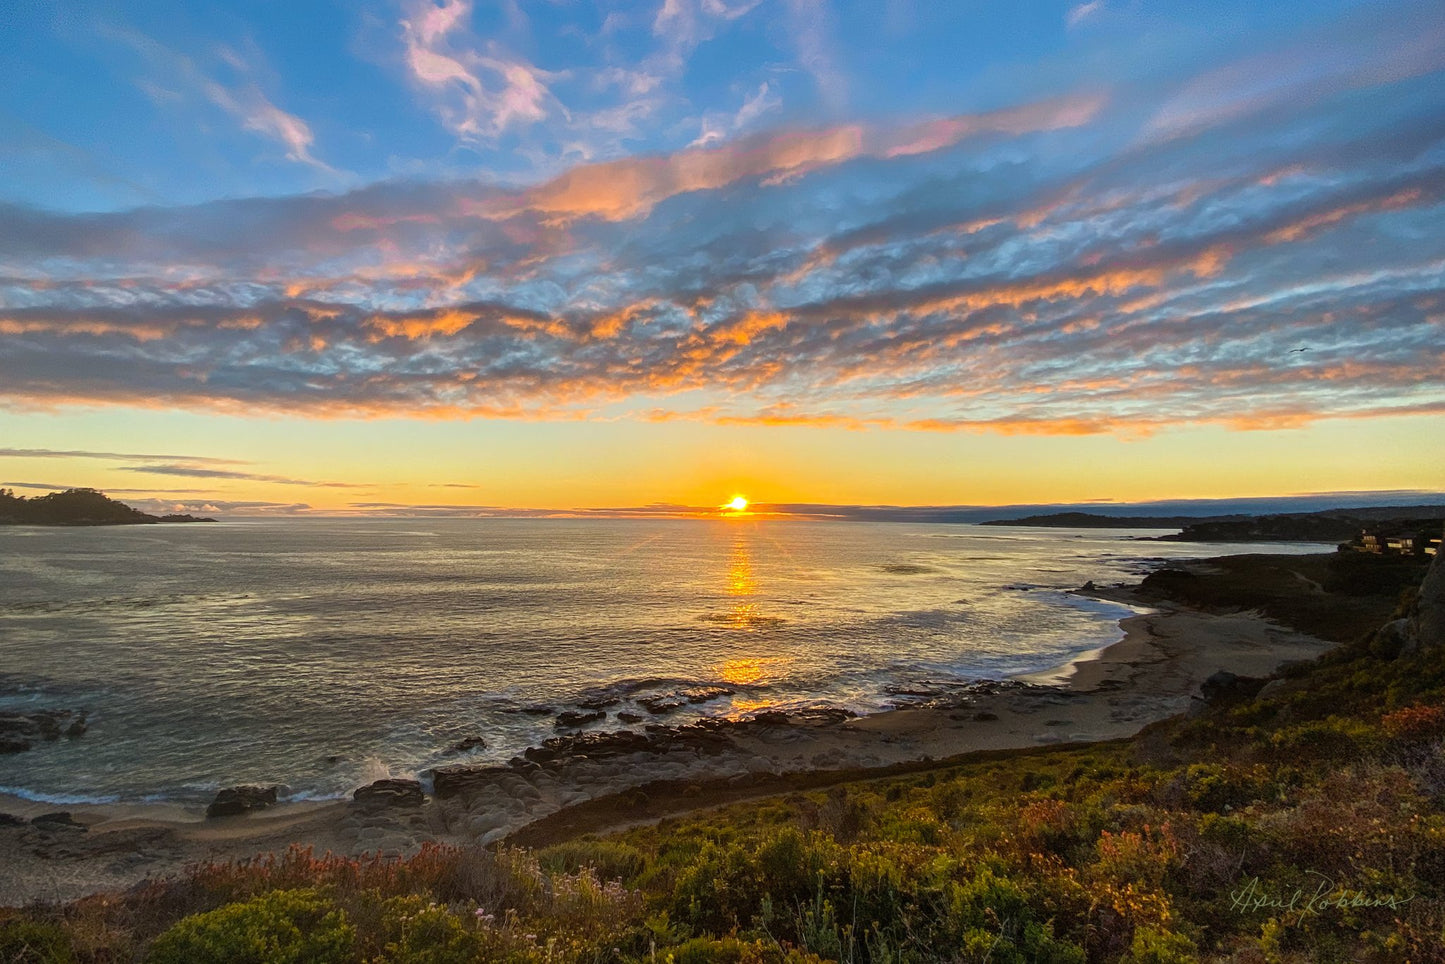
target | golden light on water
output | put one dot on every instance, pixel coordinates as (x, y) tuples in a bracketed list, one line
[(741, 672)]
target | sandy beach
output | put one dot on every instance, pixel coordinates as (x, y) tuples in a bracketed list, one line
[(603, 782)]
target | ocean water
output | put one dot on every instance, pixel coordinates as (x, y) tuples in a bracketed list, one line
[(324, 653)]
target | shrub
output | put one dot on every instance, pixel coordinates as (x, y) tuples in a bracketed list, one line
[(1328, 740), (25, 941), (417, 932), (1154, 946), (609, 859), (1415, 724), (282, 927)]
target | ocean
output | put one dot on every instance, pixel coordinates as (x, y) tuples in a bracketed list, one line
[(321, 654)]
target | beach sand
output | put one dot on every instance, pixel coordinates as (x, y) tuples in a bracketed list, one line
[(1150, 674)]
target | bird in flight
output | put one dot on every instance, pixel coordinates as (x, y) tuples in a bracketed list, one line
[(1293, 351)]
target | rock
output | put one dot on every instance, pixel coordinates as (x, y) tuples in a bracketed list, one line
[(599, 702), (19, 731), (660, 705), (984, 717), (237, 800), (390, 793), (1272, 689), (627, 717), (579, 746), (571, 720), (1395, 638), (10, 820), (823, 715), (771, 717), (462, 746), (1224, 686), (704, 694), (537, 709), (1430, 606), (1089, 587), (448, 781), (56, 821)]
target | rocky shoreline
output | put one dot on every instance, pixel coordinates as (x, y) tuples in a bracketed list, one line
[(641, 772), (1223, 646)]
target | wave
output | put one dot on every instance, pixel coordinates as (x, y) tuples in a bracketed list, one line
[(36, 796)]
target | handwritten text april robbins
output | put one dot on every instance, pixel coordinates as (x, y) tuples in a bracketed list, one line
[(1326, 897)]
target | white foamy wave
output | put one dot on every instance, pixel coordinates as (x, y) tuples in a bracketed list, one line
[(36, 796)]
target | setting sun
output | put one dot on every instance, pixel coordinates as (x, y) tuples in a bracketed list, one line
[(738, 504)]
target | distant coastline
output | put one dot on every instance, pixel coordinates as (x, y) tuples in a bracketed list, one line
[(1329, 525), (77, 507)]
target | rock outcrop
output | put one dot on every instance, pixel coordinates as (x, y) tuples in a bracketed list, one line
[(20, 731), (390, 793), (237, 800)]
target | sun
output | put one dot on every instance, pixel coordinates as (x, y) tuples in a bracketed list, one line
[(738, 504)]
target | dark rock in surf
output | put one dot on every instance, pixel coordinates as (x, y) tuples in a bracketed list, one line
[(572, 720), (462, 746), (20, 731), (233, 801), (598, 702), (705, 694), (660, 705), (390, 793), (627, 717)]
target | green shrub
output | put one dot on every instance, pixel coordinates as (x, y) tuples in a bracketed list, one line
[(418, 932), (728, 950), (610, 860), (281, 927), (24, 941), (1329, 740), (1154, 946)]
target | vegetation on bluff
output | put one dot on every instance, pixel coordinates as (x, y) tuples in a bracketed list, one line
[(76, 507), (1302, 821)]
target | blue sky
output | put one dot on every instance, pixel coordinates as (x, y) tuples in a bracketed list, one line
[(1114, 220)]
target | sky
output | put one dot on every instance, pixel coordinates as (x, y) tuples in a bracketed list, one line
[(376, 257)]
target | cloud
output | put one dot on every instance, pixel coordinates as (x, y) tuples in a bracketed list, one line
[(718, 128), (810, 27), (187, 466), (177, 77), (1324, 62), (15, 453), (47, 486), (1038, 268), (1081, 12), (477, 95), (256, 113), (191, 471)]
